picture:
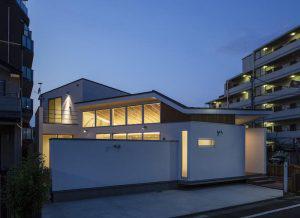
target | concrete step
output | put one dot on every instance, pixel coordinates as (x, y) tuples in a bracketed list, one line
[(263, 181)]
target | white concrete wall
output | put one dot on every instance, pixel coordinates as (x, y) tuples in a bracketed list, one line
[(256, 157), (78, 163), (226, 159)]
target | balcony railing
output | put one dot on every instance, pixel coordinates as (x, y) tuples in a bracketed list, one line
[(10, 102), (27, 103), (291, 113), (27, 42), (22, 6), (27, 133), (60, 117), (27, 73)]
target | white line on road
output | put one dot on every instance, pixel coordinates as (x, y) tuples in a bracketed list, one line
[(272, 211)]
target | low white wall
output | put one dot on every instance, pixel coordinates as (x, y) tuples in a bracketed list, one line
[(256, 157), (226, 159), (83, 163)]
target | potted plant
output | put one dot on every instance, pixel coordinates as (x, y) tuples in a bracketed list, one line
[(28, 187)]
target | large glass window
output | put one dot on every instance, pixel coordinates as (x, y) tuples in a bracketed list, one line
[(55, 110), (103, 136), (134, 114), (152, 113), (118, 116), (119, 136), (151, 136), (134, 136), (103, 117), (88, 119)]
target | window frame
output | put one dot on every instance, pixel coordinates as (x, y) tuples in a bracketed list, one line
[(61, 106)]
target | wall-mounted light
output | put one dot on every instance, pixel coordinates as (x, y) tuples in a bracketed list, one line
[(293, 76), (265, 48), (292, 34), (84, 131)]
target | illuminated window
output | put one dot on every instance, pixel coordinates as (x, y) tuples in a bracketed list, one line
[(152, 136), (134, 114), (152, 113), (134, 136), (206, 143), (119, 136), (54, 110), (184, 154), (103, 136), (103, 117), (88, 119), (118, 116)]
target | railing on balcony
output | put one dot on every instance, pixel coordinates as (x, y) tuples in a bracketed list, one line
[(27, 73), (27, 103), (22, 6), (27, 42), (27, 133), (60, 117), (10, 102)]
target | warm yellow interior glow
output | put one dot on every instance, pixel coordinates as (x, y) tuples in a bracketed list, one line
[(134, 114), (184, 154), (118, 116), (206, 142), (152, 136), (103, 136), (88, 119), (46, 146), (152, 113), (119, 136), (134, 136), (103, 117), (54, 110)]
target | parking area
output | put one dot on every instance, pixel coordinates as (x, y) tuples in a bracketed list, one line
[(162, 204)]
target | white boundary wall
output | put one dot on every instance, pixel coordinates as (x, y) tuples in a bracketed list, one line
[(81, 163), (255, 155)]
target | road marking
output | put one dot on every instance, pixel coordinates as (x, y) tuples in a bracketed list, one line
[(272, 211)]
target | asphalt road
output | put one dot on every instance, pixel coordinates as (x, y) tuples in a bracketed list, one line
[(282, 207)]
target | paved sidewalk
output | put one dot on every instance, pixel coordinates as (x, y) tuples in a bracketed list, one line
[(162, 204)]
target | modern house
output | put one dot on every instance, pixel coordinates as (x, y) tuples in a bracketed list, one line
[(16, 81), (270, 79), (93, 135)]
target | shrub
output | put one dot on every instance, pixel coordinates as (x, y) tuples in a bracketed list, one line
[(28, 187)]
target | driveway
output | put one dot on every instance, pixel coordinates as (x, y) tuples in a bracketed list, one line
[(162, 204)]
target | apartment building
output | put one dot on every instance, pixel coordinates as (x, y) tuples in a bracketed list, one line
[(16, 81), (270, 79)]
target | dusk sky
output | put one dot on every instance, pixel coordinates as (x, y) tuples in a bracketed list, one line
[(185, 49)]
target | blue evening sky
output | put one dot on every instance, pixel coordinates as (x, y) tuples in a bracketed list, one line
[(183, 48)]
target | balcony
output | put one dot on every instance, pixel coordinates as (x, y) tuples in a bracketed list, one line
[(27, 134), (278, 74), (27, 103), (277, 95), (280, 52), (10, 106), (27, 73), (239, 88), (27, 43), (240, 104), (284, 114), (284, 134), (22, 6)]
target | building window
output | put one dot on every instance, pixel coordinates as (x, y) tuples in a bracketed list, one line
[(2, 87), (118, 116), (206, 142), (184, 154), (119, 136), (134, 114), (103, 136), (151, 136), (152, 113), (55, 110), (134, 136), (88, 119), (103, 117)]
